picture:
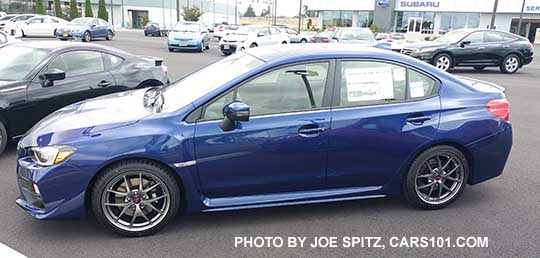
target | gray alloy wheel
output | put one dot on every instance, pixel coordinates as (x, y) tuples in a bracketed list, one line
[(135, 198), (87, 37), (3, 137), (442, 62), (510, 64), (109, 35), (436, 178)]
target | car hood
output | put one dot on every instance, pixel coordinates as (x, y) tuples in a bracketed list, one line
[(425, 44), (9, 86), (359, 42), (183, 34), (236, 37), (73, 27), (88, 118)]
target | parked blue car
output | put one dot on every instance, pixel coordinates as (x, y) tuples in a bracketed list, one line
[(86, 29), (188, 36), (270, 126)]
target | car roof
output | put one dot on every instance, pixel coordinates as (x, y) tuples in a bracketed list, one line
[(296, 51), (55, 46)]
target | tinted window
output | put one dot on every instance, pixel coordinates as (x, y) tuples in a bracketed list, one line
[(35, 20), (18, 61), (111, 61), (289, 89), (420, 85), (49, 20), (274, 30), (78, 63), (367, 82), (492, 36), (475, 37), (508, 37), (263, 31)]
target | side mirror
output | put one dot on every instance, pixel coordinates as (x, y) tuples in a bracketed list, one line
[(261, 34), (48, 78), (233, 112), (93, 26), (464, 43)]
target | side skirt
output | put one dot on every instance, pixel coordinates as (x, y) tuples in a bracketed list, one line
[(291, 198)]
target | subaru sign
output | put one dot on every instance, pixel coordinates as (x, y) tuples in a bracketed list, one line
[(420, 4), (383, 3)]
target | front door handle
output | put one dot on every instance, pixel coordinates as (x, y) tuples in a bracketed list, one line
[(418, 120), (104, 84), (310, 130)]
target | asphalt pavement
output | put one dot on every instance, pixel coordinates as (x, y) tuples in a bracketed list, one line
[(505, 209)]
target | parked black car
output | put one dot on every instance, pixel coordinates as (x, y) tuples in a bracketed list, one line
[(153, 29), (475, 47), (37, 78)]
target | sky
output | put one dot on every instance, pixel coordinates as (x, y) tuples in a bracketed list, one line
[(284, 8)]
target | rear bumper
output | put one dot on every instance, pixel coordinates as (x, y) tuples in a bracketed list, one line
[(489, 154), (527, 60)]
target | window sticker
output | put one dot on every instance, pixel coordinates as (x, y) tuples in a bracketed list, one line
[(366, 84), (399, 74), (416, 89)]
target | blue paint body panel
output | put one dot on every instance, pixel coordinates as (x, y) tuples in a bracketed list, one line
[(363, 152)]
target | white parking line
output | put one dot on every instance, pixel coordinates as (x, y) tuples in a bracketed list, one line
[(6, 252)]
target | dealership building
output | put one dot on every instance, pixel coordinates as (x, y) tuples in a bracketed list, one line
[(429, 17), (131, 13)]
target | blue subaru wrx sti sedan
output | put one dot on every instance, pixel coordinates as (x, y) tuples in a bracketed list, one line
[(270, 126)]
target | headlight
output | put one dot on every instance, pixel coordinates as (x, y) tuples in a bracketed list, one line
[(51, 155), (429, 49)]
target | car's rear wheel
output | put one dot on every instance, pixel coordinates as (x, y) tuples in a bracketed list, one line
[(135, 198), (284, 42), (479, 67), (3, 137), (510, 64), (87, 37), (303, 41), (253, 45), (442, 62), (109, 35), (436, 178)]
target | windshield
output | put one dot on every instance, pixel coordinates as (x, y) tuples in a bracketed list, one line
[(245, 30), (81, 22), (452, 37), (7, 17), (200, 83), (187, 27), (356, 35), (18, 61)]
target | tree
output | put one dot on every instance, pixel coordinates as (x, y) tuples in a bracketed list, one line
[(102, 11), (88, 9), (249, 12), (73, 10), (40, 9), (145, 20), (265, 12), (191, 13), (58, 9)]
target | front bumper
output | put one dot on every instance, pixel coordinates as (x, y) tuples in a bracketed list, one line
[(44, 194), (184, 44), (69, 35)]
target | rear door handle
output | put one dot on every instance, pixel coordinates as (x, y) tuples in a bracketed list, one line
[(418, 120), (309, 130), (104, 84)]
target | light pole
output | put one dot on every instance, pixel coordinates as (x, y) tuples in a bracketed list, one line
[(112, 13), (214, 2), (235, 11), (300, 17), (123, 14), (163, 9), (492, 24), (520, 18)]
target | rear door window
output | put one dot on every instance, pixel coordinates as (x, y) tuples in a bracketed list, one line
[(77, 63)]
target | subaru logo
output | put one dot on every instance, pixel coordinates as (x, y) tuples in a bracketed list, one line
[(383, 3)]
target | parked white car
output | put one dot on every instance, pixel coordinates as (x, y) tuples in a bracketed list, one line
[(296, 37), (41, 26), (224, 30), (396, 40), (7, 39), (2, 14), (10, 25), (252, 36)]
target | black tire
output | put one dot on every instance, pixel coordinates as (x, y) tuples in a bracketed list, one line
[(284, 42), (3, 137), (303, 41), (506, 67), (253, 45), (171, 49), (443, 65), (207, 46), (479, 67), (146, 34), (109, 35), (410, 190), (134, 166), (87, 37)]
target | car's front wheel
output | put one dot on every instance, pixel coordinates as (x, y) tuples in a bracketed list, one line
[(135, 198), (87, 37), (109, 35), (436, 178), (442, 62), (3, 137), (510, 64)]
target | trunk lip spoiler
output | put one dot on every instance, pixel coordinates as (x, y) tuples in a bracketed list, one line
[(464, 79)]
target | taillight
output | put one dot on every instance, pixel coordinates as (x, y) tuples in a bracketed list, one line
[(325, 40), (500, 108), (220, 30), (389, 41)]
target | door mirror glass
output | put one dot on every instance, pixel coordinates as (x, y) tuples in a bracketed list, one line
[(233, 112), (465, 43), (52, 75)]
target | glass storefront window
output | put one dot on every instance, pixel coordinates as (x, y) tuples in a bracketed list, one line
[(454, 21), (403, 19), (346, 19)]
